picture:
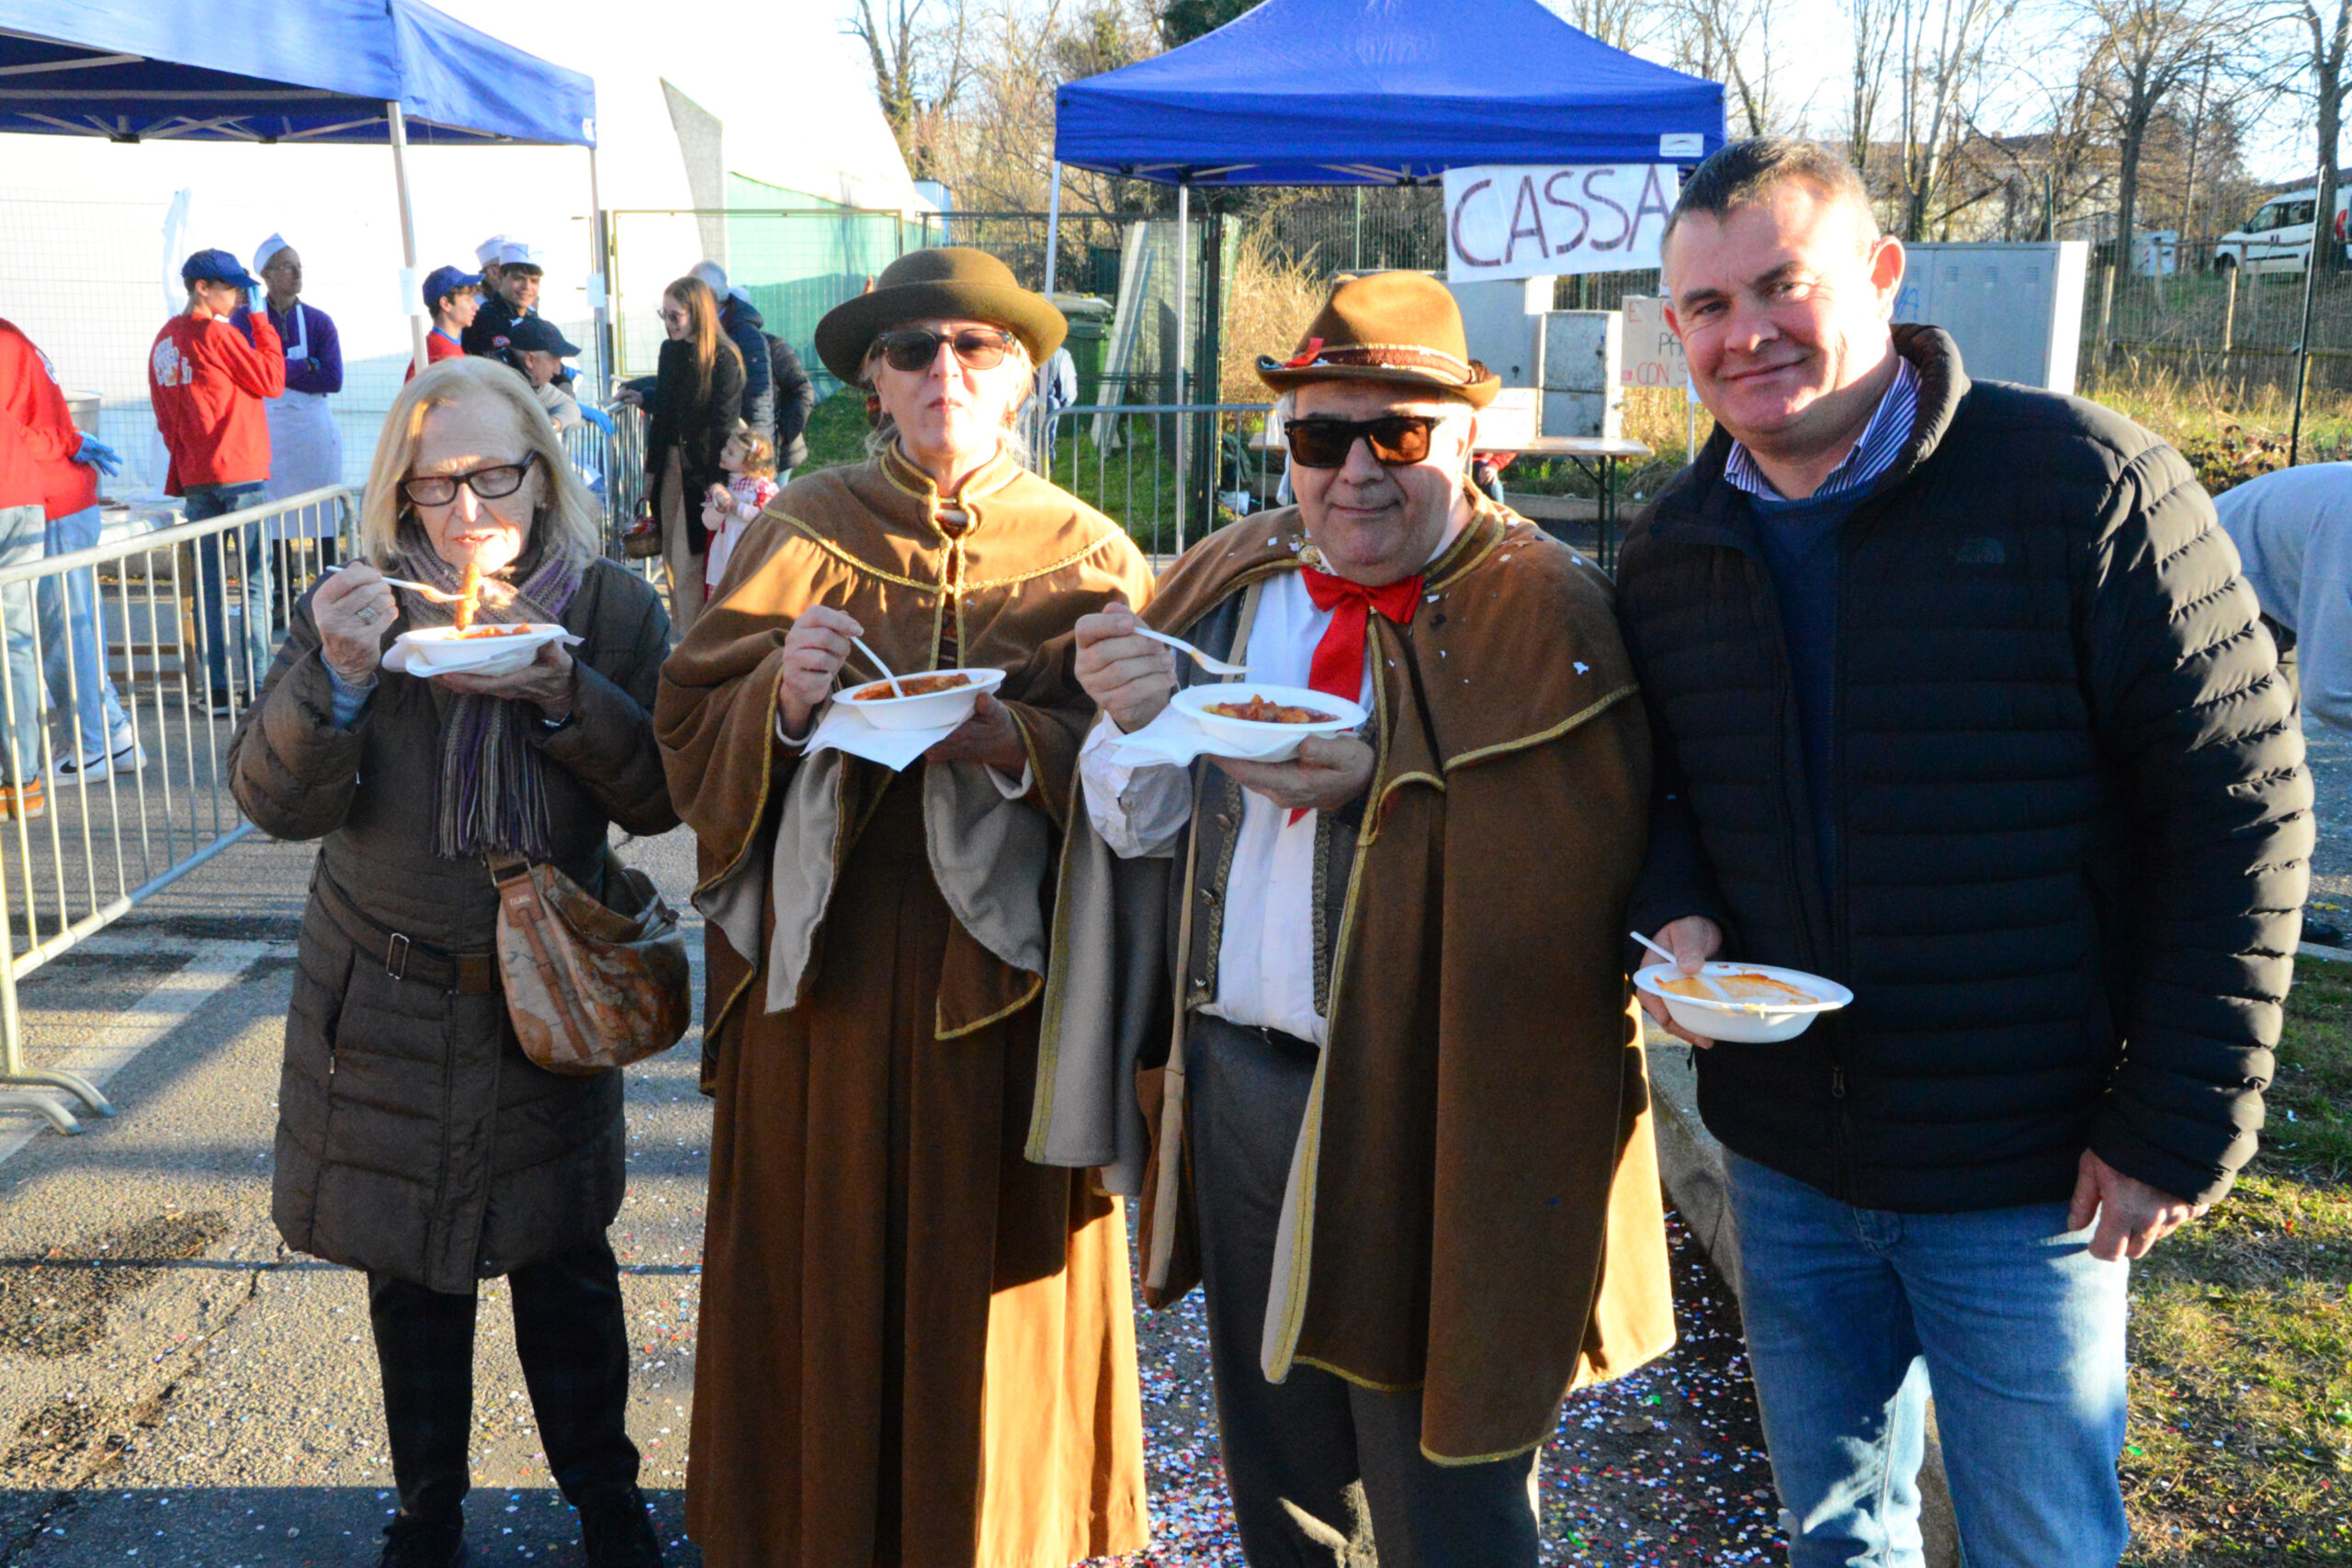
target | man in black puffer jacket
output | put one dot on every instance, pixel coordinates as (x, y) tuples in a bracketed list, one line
[(1960, 701)]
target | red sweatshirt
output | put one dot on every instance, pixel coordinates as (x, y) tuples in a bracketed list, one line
[(37, 434), (438, 347), (206, 383)]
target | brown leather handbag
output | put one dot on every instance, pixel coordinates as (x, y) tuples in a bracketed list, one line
[(590, 988)]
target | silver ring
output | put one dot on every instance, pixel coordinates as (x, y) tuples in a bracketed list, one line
[(367, 615)]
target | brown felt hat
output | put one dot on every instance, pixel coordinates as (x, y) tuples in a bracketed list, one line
[(941, 282), (1400, 327)]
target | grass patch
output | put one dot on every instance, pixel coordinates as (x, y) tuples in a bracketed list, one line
[(2240, 1445)]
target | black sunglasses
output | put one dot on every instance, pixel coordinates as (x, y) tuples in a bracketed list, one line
[(1396, 439), (915, 349), (493, 483)]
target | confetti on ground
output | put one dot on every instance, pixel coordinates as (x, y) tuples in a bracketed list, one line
[(1664, 1469)]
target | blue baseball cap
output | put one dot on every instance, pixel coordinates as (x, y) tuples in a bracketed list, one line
[(217, 266), (446, 280), (538, 332)]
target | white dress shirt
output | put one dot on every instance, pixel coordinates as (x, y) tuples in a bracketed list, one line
[(1265, 969)]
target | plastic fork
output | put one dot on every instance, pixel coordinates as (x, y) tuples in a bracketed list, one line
[(1213, 666), (1705, 978), (896, 689)]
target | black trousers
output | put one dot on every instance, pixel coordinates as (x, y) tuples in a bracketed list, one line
[(1322, 1470), (573, 1338)]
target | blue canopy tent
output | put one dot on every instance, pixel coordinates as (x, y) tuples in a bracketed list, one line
[(1378, 92), (336, 71)]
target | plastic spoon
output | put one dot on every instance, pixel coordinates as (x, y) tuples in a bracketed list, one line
[(1213, 666), (896, 689), (1705, 978)]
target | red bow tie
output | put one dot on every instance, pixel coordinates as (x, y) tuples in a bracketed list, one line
[(1337, 669)]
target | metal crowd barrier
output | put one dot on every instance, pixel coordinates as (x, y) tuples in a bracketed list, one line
[(101, 846), (612, 467), (1169, 473)]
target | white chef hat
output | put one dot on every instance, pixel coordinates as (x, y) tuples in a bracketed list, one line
[(487, 252), (515, 253), (269, 248)]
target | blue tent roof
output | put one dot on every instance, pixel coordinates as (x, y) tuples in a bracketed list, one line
[(1380, 92), (268, 71)]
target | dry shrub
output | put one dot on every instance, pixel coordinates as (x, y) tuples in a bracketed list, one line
[(2230, 430), (1268, 303)]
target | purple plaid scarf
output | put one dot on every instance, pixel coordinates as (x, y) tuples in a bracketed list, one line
[(490, 791)]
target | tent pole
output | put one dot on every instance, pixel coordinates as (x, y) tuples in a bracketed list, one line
[(407, 231), (1183, 352), (1053, 226), (1045, 372), (601, 264)]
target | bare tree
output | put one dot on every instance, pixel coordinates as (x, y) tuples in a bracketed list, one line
[(2327, 35), (920, 52), (1871, 24), (1628, 25), (1732, 42), (2144, 53), (1944, 46)]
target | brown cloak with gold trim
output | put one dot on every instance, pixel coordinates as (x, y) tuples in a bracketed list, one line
[(916, 1348), (1474, 1207)]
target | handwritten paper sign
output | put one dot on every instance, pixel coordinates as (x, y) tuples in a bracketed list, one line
[(1516, 221), (1653, 355)]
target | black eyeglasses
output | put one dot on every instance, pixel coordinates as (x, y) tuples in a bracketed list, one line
[(493, 483), (914, 349), (1396, 439)]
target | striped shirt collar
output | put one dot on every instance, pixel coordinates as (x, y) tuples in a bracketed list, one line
[(1873, 455)]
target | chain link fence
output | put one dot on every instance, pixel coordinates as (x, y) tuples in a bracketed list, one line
[(2211, 319)]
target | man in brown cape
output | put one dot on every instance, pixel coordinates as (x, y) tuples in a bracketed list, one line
[(1397, 1124)]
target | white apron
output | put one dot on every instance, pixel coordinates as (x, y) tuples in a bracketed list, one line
[(305, 448)]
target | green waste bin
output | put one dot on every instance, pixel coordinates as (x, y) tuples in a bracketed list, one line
[(1089, 328)]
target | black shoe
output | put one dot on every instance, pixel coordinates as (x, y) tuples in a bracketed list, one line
[(222, 705), (410, 1542), (620, 1534)]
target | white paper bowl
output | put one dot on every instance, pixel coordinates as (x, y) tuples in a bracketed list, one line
[(1265, 742), (928, 711), (1753, 1023), (439, 650)]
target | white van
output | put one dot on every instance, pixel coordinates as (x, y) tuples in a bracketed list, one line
[(2278, 238)]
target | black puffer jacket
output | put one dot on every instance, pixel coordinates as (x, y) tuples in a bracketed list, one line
[(2074, 819)]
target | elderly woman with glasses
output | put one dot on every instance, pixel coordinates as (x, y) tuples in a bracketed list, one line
[(415, 1141), (916, 1346)]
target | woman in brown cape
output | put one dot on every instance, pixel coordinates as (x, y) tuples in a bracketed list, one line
[(916, 1348)]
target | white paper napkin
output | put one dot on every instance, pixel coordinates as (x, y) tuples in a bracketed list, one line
[(844, 729), (1175, 738)]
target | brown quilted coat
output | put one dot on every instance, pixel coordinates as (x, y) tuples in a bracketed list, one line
[(414, 1136)]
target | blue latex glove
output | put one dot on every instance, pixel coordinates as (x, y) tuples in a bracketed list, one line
[(96, 454), (597, 417)]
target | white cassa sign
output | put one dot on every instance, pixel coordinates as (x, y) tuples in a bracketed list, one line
[(1516, 220)]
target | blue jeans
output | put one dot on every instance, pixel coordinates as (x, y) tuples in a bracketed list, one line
[(71, 659), (21, 529), (218, 500), (1853, 1314)]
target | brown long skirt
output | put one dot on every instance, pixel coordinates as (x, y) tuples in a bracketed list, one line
[(916, 1348)]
